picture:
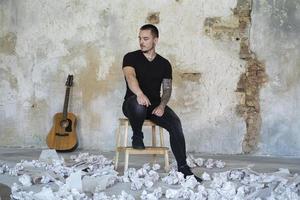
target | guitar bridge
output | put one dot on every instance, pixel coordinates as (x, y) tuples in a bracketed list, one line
[(62, 134)]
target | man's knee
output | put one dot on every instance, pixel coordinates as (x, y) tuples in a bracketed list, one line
[(173, 126), (172, 116), (135, 107)]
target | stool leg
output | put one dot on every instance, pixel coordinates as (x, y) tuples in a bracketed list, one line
[(126, 134), (126, 160), (116, 160), (154, 142), (161, 134), (167, 167), (153, 136), (118, 144)]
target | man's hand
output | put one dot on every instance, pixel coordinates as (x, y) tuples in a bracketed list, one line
[(143, 100), (159, 111)]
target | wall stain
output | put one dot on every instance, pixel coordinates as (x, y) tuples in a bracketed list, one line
[(9, 135), (221, 28), (190, 76), (153, 18), (8, 43), (10, 77), (87, 82)]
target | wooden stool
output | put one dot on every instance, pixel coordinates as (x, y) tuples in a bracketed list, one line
[(154, 149)]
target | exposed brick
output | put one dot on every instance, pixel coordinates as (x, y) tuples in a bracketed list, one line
[(251, 81)]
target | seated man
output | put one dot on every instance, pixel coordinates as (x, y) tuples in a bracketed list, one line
[(145, 71)]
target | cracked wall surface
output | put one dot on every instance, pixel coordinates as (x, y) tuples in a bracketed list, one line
[(251, 81), (275, 40), (270, 48), (236, 27), (217, 75)]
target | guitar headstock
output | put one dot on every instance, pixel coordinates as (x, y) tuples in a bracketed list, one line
[(69, 82)]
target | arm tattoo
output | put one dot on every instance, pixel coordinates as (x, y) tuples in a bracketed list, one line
[(167, 90)]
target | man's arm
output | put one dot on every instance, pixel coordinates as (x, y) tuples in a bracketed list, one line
[(133, 85), (167, 90)]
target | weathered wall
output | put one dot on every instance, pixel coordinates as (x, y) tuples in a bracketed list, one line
[(275, 40), (44, 41), (206, 42)]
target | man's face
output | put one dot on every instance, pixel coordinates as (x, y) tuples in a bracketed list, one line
[(147, 40)]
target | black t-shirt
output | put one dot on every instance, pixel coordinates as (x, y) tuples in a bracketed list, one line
[(148, 73)]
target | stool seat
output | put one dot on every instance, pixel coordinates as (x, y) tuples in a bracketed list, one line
[(147, 150), (147, 122), (154, 149)]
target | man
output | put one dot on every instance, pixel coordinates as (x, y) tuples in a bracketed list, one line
[(145, 71)]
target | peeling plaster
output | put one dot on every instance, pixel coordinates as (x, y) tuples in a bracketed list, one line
[(225, 28), (153, 18), (250, 82)]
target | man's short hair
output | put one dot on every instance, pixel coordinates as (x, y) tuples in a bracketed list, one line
[(152, 28)]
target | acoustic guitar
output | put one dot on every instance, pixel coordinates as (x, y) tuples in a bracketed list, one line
[(62, 136)]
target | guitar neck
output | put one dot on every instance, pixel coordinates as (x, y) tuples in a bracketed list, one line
[(66, 103)]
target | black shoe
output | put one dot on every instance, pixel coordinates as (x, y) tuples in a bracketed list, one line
[(186, 170), (138, 144)]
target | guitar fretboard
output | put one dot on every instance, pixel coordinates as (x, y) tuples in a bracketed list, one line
[(66, 103)]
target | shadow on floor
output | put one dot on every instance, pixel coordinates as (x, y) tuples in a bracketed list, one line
[(4, 192)]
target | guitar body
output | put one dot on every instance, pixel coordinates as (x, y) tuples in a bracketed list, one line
[(62, 136)]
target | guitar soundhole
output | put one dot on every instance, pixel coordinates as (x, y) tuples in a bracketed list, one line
[(67, 124)]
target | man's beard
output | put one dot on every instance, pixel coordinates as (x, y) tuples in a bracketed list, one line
[(146, 51)]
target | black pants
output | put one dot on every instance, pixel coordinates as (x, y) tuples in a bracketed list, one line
[(137, 113)]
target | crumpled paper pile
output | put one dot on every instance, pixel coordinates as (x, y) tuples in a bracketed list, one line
[(85, 177), (200, 162), (83, 173), (145, 176), (238, 184)]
